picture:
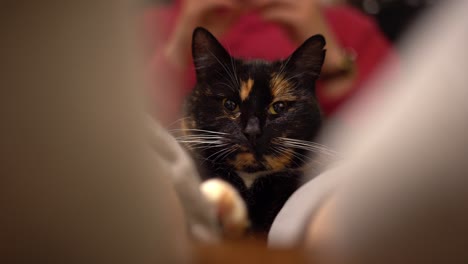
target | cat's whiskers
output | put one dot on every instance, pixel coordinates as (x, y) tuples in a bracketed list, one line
[(205, 147), (307, 160), (293, 77), (210, 142), (310, 148), (306, 145), (197, 130), (283, 67), (227, 153), (281, 71), (219, 153), (231, 76), (282, 151), (178, 121), (202, 139), (301, 157), (227, 85), (234, 69)]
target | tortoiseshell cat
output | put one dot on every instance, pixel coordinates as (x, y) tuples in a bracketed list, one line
[(250, 123)]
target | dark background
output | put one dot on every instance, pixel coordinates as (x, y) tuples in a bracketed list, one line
[(393, 16)]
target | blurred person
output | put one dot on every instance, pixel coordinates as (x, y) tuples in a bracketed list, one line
[(263, 29), (401, 194)]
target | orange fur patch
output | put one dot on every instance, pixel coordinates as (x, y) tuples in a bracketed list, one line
[(243, 160), (281, 88), (187, 123), (278, 162), (246, 88)]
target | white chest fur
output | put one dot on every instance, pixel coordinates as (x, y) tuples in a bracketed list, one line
[(249, 178)]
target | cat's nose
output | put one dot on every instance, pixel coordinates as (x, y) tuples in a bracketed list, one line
[(252, 129)]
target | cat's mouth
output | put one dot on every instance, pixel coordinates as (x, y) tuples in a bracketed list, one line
[(248, 161)]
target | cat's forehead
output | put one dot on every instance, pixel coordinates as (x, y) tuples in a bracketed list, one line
[(263, 78), (256, 68), (254, 63)]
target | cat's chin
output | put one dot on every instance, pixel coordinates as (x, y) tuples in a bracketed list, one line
[(247, 162), (250, 177), (252, 169)]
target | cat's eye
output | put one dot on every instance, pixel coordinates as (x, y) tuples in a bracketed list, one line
[(230, 105), (277, 108)]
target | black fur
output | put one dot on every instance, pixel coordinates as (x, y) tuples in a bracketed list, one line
[(252, 130)]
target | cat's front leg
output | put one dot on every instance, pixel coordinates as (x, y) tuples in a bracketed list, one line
[(230, 207)]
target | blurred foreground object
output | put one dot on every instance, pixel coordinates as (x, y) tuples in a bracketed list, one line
[(79, 182), (403, 197)]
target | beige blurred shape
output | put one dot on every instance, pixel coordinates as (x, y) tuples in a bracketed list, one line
[(402, 195), (79, 182)]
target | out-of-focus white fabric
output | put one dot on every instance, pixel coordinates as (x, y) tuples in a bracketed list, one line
[(179, 167), (288, 228), (406, 194), (403, 194)]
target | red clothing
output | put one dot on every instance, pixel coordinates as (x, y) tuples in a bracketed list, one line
[(251, 37)]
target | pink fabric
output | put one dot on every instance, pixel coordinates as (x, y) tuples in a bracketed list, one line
[(251, 37)]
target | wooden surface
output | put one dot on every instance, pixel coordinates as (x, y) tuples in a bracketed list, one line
[(246, 252)]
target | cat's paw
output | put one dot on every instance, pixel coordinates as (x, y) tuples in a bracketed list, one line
[(230, 207)]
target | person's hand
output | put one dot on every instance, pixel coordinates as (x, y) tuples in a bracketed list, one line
[(215, 15), (301, 18)]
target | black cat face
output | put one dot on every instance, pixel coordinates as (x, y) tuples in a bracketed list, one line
[(240, 112)]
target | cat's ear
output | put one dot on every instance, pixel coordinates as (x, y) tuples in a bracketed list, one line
[(307, 60), (207, 52)]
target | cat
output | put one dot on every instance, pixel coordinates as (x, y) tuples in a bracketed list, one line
[(251, 122)]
